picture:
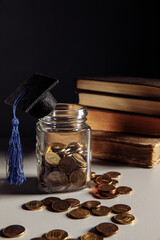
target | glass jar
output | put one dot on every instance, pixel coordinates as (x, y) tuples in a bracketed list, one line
[(63, 149)]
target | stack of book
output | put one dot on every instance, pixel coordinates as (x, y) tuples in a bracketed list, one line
[(124, 114)]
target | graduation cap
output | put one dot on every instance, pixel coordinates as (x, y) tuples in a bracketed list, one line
[(34, 97)]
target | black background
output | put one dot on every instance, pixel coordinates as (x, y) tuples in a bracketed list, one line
[(66, 39)]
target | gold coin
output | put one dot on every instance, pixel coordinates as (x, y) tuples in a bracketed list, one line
[(57, 147), (56, 234), (101, 211), (121, 208), (113, 174), (73, 201), (93, 175), (57, 180), (67, 165), (107, 229), (103, 179), (77, 178), (114, 182), (91, 236), (124, 190), (52, 158), (107, 188), (49, 200), (79, 213), (124, 218), (74, 147), (13, 231), (34, 205), (61, 205), (91, 204), (109, 195), (104, 195), (80, 161)]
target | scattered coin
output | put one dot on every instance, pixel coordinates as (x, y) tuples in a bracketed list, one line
[(107, 188), (103, 179), (73, 201), (52, 158), (80, 161), (57, 180), (121, 208), (106, 195), (107, 229), (114, 182), (61, 205), (77, 178), (13, 231), (67, 165), (124, 218), (34, 205), (124, 190), (56, 234), (49, 200), (91, 204), (113, 174), (101, 211), (79, 213), (91, 236)]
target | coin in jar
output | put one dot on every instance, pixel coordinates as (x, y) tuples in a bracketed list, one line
[(34, 205), (80, 161), (77, 178), (79, 213), (101, 211), (121, 208), (73, 201), (57, 180), (124, 218), (124, 190), (61, 205), (74, 147), (93, 175), (67, 165), (52, 158), (107, 229), (91, 204), (91, 236), (13, 231), (113, 174), (49, 200), (56, 234), (57, 147)]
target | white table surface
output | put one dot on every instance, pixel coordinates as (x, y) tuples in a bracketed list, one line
[(144, 201)]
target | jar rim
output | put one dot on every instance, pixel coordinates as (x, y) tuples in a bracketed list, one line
[(69, 110)]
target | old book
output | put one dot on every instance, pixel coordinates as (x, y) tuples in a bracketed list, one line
[(131, 149), (119, 103), (142, 87), (112, 121)]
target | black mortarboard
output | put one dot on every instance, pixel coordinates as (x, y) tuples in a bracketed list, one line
[(32, 96), (37, 100)]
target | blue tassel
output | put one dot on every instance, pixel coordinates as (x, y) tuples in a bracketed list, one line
[(14, 160)]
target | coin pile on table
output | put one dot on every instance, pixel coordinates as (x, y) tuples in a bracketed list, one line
[(64, 167), (105, 187)]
